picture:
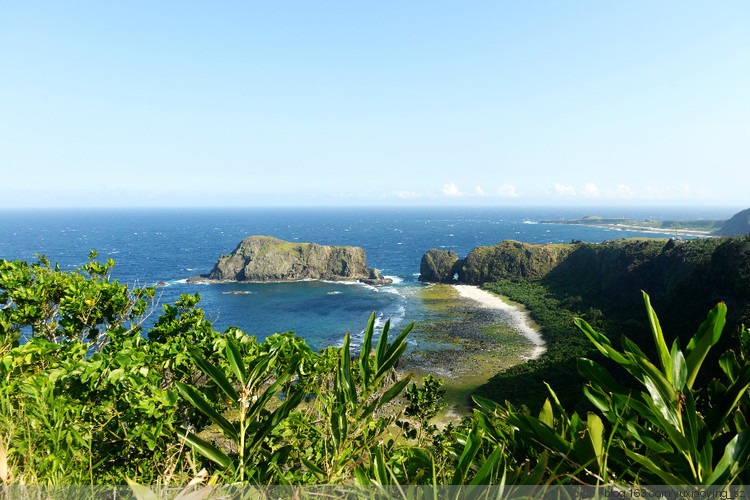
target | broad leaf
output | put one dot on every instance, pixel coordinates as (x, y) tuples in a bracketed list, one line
[(661, 345), (196, 399), (235, 362), (735, 460), (708, 334), (205, 448)]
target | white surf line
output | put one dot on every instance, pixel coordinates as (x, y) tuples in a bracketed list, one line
[(518, 318)]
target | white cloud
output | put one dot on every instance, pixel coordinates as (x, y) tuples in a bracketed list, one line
[(507, 191), (407, 194), (451, 190), (591, 191), (562, 190), (624, 191), (479, 191)]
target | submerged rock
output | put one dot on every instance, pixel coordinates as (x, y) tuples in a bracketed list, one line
[(264, 258)]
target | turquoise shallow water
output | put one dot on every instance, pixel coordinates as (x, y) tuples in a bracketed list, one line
[(171, 245)]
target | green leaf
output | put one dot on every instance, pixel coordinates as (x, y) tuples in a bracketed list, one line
[(316, 471), (473, 442), (235, 362), (708, 334), (661, 345), (543, 433), (390, 362), (345, 372), (394, 390), (735, 460), (729, 365), (718, 415), (600, 342), (276, 417), (196, 399), (361, 476), (596, 437), (378, 462), (679, 367), (399, 341), (364, 355), (382, 343), (488, 407), (665, 476), (648, 438), (216, 375), (140, 491), (205, 448), (545, 415), (490, 469), (599, 376)]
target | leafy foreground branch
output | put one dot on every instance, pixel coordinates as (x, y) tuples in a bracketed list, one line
[(88, 397)]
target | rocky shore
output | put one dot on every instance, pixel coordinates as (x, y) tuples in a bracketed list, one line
[(476, 335)]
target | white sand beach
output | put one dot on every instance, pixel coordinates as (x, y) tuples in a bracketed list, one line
[(519, 319)]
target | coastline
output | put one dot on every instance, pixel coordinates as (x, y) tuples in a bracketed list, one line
[(642, 229), (474, 335), (519, 318)]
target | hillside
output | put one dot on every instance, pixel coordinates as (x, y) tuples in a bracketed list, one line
[(738, 225), (602, 283)]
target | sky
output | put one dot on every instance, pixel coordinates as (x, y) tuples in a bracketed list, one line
[(363, 103)]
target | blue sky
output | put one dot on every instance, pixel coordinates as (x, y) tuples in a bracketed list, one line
[(374, 103)]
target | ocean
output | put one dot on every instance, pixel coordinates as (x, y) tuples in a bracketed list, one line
[(170, 245)]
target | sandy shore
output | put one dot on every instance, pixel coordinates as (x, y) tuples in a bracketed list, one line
[(519, 319)]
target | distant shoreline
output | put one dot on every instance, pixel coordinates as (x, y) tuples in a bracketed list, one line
[(645, 229)]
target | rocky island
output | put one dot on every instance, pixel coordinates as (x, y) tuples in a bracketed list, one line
[(268, 259)]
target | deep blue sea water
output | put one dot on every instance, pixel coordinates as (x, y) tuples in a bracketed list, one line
[(171, 245)]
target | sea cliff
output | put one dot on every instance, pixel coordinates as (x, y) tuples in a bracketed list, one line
[(264, 258)]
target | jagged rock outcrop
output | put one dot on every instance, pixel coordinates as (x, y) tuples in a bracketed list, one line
[(439, 266), (738, 225), (264, 258)]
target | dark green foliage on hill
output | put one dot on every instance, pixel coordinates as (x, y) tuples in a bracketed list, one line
[(683, 278), (510, 260)]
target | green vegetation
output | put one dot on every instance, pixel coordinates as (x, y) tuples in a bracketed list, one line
[(88, 396)]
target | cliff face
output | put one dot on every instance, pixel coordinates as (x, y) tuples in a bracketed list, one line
[(263, 258)]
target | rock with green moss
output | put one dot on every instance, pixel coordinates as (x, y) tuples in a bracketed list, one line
[(264, 258), (511, 260), (439, 266)]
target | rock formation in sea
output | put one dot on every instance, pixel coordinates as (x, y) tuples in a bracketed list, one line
[(264, 258), (439, 266)]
